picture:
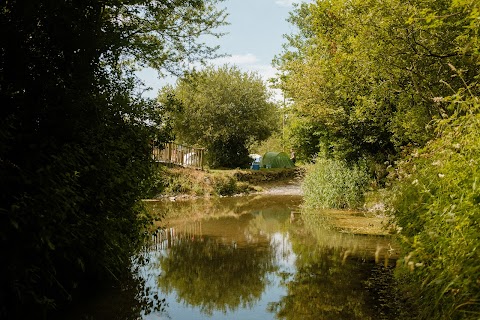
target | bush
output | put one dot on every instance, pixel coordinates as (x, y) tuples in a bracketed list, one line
[(333, 183), (224, 185), (436, 202)]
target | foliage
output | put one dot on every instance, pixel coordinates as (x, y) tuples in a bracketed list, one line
[(224, 110), (270, 175), (75, 140), (176, 181), (364, 75), (436, 203), (379, 80), (226, 185), (274, 142), (435, 197), (190, 182), (306, 138), (331, 183), (279, 140)]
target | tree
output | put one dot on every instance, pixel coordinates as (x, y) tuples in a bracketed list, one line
[(224, 110), (75, 140), (366, 73)]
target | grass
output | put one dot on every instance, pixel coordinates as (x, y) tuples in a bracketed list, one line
[(331, 183), (187, 183)]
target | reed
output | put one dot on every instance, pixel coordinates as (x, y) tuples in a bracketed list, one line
[(331, 183)]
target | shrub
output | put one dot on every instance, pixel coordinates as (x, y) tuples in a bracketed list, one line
[(333, 183), (224, 185), (175, 181), (436, 202)]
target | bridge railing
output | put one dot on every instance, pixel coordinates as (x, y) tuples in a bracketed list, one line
[(177, 154)]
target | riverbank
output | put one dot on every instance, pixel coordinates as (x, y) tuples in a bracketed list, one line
[(184, 183), (181, 184)]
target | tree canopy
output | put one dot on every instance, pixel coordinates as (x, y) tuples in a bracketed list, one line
[(74, 136), (365, 76), (223, 109)]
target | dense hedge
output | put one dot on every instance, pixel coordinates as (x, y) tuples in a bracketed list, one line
[(436, 203)]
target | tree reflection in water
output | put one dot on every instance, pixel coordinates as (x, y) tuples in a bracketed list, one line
[(323, 287), (245, 254), (255, 258), (333, 275), (213, 276)]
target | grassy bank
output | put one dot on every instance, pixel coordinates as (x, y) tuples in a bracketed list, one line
[(187, 183)]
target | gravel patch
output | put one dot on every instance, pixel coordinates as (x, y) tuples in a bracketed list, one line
[(287, 190)]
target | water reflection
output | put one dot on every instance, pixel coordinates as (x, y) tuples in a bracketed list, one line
[(326, 284), (214, 276), (337, 275), (261, 257)]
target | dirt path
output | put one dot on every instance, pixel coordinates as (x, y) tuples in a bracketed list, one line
[(292, 189)]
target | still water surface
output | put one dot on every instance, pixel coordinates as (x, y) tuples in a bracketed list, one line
[(260, 257)]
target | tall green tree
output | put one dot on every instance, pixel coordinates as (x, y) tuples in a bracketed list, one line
[(74, 137), (225, 110), (366, 74)]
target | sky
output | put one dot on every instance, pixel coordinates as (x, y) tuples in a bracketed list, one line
[(254, 36)]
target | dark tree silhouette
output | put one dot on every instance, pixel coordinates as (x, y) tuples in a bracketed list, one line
[(74, 140)]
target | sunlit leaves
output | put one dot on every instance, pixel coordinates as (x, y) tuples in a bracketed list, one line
[(436, 203), (392, 54), (224, 110), (162, 34)]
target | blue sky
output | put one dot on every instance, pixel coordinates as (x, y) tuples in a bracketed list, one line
[(254, 37)]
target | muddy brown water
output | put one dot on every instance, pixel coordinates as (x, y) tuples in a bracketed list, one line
[(256, 257)]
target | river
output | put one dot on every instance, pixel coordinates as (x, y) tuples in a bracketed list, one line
[(257, 257)]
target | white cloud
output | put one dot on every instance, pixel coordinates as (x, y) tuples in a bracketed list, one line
[(236, 59), (250, 63), (264, 70)]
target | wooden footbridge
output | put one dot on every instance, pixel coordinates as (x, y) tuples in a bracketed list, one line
[(180, 155)]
